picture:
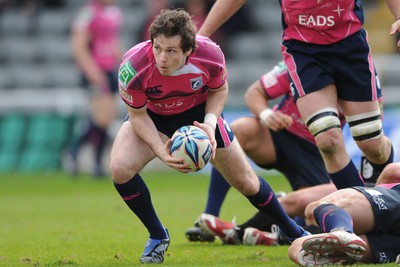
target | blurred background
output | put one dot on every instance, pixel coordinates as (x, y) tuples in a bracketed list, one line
[(42, 103)]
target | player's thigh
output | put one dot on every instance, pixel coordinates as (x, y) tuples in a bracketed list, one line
[(129, 154), (255, 139), (314, 102), (234, 166), (351, 108)]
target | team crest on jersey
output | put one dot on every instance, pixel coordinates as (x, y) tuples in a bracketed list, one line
[(196, 83), (126, 74)]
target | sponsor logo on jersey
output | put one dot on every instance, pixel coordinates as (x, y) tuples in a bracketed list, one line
[(377, 198), (316, 21), (126, 74), (196, 83), (125, 95)]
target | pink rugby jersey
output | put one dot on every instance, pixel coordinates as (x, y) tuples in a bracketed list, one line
[(322, 23), (276, 83), (141, 83), (103, 23)]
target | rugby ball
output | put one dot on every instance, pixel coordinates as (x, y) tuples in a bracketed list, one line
[(193, 145)]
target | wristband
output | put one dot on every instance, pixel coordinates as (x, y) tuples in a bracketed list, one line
[(211, 119), (265, 114)]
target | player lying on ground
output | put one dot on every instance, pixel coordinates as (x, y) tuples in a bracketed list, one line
[(361, 224)]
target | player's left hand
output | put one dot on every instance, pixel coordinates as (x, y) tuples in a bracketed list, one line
[(210, 131)]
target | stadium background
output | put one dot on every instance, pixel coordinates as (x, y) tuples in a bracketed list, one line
[(41, 102)]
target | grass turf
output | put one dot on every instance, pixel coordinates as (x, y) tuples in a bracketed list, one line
[(50, 219)]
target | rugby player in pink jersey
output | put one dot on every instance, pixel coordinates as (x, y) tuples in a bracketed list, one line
[(97, 50), (174, 79)]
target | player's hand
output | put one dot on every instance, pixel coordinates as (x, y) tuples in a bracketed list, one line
[(210, 131), (395, 28), (278, 121), (176, 163)]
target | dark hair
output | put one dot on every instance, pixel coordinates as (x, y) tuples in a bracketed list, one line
[(175, 22)]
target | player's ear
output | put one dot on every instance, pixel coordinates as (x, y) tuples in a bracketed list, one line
[(187, 53)]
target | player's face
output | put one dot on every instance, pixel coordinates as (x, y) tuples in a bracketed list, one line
[(168, 54)]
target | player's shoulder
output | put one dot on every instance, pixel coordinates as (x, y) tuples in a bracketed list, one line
[(134, 63), (140, 55), (208, 50)]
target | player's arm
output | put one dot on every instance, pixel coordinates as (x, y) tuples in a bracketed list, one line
[(144, 127), (215, 104), (80, 43), (221, 11)]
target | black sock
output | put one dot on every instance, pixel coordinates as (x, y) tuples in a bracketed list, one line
[(137, 196)]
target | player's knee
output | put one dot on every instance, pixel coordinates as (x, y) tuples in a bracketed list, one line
[(119, 173), (325, 126)]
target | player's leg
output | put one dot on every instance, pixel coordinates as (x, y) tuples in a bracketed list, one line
[(129, 155), (319, 111), (296, 202), (233, 165), (255, 139), (365, 123), (217, 191)]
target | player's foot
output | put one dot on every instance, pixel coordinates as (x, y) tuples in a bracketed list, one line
[(309, 259), (334, 242), (196, 234), (154, 250), (224, 230), (253, 236)]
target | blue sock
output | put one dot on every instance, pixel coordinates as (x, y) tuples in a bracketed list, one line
[(266, 201), (347, 177), (217, 191), (300, 221), (137, 196), (330, 216), (379, 167)]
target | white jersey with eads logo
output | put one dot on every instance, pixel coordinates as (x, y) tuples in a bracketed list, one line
[(141, 83)]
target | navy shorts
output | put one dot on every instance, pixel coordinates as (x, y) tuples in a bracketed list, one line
[(385, 206), (385, 247), (169, 124), (299, 160), (347, 64), (112, 81)]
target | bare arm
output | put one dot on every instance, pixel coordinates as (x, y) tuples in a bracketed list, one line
[(257, 102), (80, 43), (144, 127), (215, 104), (221, 11)]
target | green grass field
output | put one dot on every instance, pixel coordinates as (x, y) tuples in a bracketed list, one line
[(50, 219)]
